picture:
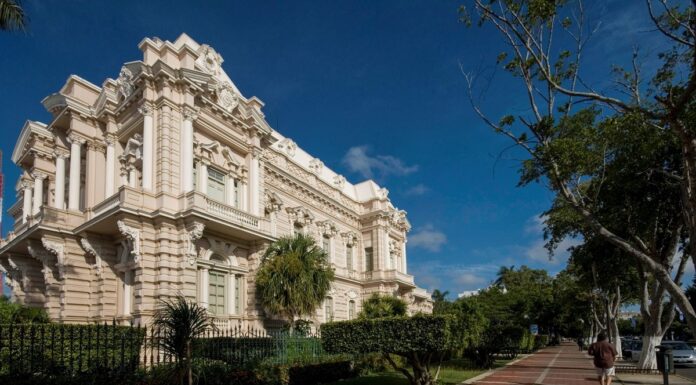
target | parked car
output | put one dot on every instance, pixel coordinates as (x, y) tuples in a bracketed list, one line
[(681, 351)]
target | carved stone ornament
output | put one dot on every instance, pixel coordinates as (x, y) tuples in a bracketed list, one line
[(125, 82), (272, 202), (300, 215), (132, 236), (95, 252), (208, 60), (57, 249), (288, 146), (350, 238), (193, 234), (327, 228), (316, 165), (339, 181), (14, 277), (351, 294), (227, 98), (382, 193), (134, 146)]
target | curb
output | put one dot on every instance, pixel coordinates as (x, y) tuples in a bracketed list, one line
[(491, 371)]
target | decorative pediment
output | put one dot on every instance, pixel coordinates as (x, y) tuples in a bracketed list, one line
[(209, 61), (327, 228), (350, 237), (300, 215)]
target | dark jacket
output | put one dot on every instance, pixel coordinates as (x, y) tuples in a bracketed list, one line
[(603, 353)]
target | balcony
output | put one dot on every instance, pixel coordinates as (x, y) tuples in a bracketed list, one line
[(201, 204), (390, 275)]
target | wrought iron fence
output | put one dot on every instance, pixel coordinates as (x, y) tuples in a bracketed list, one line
[(75, 349)]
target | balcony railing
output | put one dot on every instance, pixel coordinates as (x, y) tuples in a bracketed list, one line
[(231, 213), (389, 275)]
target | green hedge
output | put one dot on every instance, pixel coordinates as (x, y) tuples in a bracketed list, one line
[(399, 335), (249, 352), (57, 349), (328, 368)]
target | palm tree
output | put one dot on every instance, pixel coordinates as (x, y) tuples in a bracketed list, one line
[(380, 306), (439, 296), (294, 278), (12, 16), (180, 321)]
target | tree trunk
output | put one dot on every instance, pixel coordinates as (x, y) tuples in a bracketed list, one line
[(421, 376), (648, 359), (615, 332), (189, 366)]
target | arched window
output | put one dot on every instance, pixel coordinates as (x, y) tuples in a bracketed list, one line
[(221, 287), (351, 309), (326, 245)]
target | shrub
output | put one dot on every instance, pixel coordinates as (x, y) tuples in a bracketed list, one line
[(380, 306), (14, 313), (323, 369), (419, 339), (57, 349)]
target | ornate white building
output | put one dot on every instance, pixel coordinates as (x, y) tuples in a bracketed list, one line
[(168, 180)]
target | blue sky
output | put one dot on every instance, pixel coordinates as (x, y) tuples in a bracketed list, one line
[(374, 89)]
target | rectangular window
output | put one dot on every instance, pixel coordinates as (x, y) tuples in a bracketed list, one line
[(368, 259), (235, 184), (328, 310), (237, 294), (216, 293), (326, 245), (349, 257), (351, 309), (216, 184)]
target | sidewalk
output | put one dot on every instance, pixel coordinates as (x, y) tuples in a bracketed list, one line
[(557, 365), (648, 379)]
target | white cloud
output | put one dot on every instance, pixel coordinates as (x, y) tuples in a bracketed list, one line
[(428, 238), (416, 190), (434, 274), (358, 160)]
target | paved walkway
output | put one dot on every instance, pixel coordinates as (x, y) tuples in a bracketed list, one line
[(557, 365)]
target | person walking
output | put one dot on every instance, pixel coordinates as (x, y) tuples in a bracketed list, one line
[(581, 343), (604, 355)]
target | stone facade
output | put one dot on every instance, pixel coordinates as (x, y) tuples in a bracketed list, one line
[(168, 180)]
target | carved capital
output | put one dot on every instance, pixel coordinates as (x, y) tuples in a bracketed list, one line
[(111, 139), (61, 153), (76, 138), (145, 109), (26, 184), (190, 113)]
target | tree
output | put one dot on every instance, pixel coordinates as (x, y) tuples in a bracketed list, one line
[(380, 306), (20, 314), (294, 278), (12, 16), (561, 102), (180, 321)]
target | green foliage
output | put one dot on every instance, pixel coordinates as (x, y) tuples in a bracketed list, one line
[(380, 306), (398, 335), (180, 322), (294, 278), (326, 369), (20, 314), (68, 350)]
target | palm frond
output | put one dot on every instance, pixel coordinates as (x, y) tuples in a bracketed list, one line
[(12, 16)]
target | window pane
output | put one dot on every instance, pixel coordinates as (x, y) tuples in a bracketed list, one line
[(368, 259), (237, 294), (326, 245), (349, 257), (216, 184), (351, 309), (216, 293)]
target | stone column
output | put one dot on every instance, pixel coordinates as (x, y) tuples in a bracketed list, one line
[(203, 176), (230, 294), (187, 150), (110, 164), (59, 198), (243, 200), (148, 139), (254, 188), (127, 292), (132, 176), (204, 282), (230, 191), (75, 172), (26, 204), (38, 191), (403, 257)]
